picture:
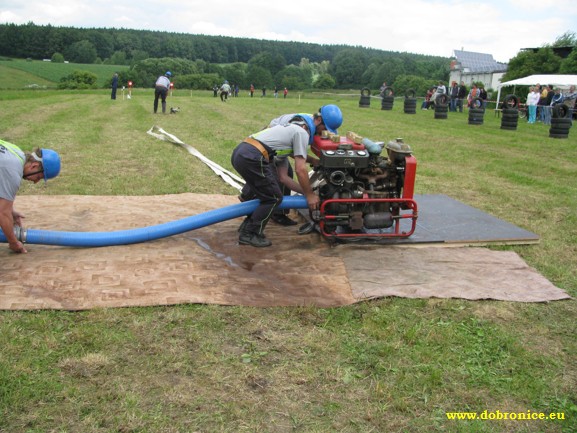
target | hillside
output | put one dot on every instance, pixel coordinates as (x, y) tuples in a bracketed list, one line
[(20, 74)]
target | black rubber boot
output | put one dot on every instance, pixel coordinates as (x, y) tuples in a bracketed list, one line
[(253, 239)]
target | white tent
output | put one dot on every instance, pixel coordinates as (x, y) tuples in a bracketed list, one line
[(554, 80)]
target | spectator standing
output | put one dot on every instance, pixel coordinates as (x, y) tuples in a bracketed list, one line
[(548, 104), (461, 95), (161, 90), (532, 101), (236, 90), (251, 90), (441, 90), (483, 96), (454, 95), (275, 92), (114, 85), (570, 97), (263, 91), (285, 92), (473, 93), (542, 104)]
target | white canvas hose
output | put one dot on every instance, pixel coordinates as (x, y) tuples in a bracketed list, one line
[(229, 177)]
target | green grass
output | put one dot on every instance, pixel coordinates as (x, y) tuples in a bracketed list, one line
[(18, 73), (389, 365)]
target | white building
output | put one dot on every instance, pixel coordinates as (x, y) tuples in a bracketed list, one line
[(472, 67)]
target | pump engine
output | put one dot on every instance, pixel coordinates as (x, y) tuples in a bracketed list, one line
[(364, 192)]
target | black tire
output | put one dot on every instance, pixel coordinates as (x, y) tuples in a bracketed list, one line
[(440, 115), (410, 94), (441, 100), (558, 135), (365, 100), (476, 103), (509, 124), (511, 101), (561, 121), (558, 131), (510, 112), (475, 121), (441, 108), (560, 111), (509, 128), (522, 114), (510, 118)]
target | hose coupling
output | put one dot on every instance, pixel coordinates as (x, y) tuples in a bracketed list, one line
[(20, 233)]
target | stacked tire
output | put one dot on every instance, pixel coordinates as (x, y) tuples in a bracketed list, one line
[(560, 121), (441, 107), (365, 100), (476, 112), (410, 106), (510, 117), (388, 99)]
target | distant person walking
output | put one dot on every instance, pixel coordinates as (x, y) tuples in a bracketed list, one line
[(161, 91), (224, 91), (114, 85)]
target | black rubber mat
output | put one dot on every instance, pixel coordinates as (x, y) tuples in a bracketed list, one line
[(443, 220)]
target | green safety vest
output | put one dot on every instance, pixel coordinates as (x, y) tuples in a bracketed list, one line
[(13, 149)]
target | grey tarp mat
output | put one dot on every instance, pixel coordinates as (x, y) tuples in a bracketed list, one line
[(209, 266)]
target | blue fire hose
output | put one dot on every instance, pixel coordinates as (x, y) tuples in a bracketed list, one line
[(133, 236)]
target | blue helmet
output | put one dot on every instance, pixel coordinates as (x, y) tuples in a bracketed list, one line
[(308, 121), (332, 117), (50, 163), (168, 74)]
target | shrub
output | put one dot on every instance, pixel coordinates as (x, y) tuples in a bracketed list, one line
[(78, 80)]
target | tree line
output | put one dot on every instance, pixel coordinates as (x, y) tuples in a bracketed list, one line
[(199, 61)]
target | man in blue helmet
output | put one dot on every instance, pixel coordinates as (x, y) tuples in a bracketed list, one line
[(161, 88), (330, 118), (254, 161), (16, 165)]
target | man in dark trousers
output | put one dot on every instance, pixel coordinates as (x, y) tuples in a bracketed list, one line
[(114, 85), (463, 92), (161, 90), (253, 159)]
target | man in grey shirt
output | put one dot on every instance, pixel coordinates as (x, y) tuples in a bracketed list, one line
[(16, 165), (254, 157)]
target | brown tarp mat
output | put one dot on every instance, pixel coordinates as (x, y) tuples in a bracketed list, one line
[(208, 265)]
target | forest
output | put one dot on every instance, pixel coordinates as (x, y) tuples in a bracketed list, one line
[(198, 61)]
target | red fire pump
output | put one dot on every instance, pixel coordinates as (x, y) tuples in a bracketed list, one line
[(363, 193)]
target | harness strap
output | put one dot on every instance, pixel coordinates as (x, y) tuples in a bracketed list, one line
[(258, 145)]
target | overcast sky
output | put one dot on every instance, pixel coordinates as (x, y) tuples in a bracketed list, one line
[(497, 27)]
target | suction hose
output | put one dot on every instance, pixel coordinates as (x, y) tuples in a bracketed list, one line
[(134, 236)]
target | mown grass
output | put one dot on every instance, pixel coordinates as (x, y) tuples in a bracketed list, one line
[(389, 365)]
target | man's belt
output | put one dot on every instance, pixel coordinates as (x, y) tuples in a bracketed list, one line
[(259, 146)]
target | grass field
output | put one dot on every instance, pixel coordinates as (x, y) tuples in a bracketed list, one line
[(19, 73), (389, 365)]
